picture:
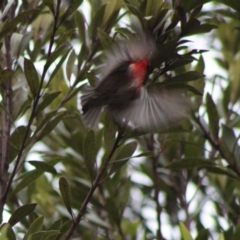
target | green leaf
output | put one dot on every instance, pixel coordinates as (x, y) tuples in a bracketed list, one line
[(181, 62), (231, 142), (5, 74), (73, 6), (184, 231), (110, 129), (6, 232), (189, 163), (231, 3), (34, 227), (27, 179), (185, 77), (48, 234), (193, 26), (220, 171), (113, 211), (203, 234), (58, 66), (47, 99), (97, 21), (109, 10), (66, 194), (89, 153), (70, 64), (31, 76), (16, 141), (24, 107), (124, 31), (43, 166), (136, 12), (54, 55), (221, 237), (105, 40), (10, 26), (51, 125), (226, 98), (64, 229), (21, 213), (213, 116), (188, 5), (123, 156), (80, 22), (50, 5), (44, 235)]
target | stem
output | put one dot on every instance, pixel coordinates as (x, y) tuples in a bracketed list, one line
[(95, 184), (216, 146), (6, 119), (156, 188), (35, 104)]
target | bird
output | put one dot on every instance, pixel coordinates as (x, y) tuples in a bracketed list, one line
[(123, 92)]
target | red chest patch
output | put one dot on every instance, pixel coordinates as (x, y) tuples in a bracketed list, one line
[(138, 71)]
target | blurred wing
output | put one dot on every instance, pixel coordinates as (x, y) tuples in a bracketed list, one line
[(90, 107), (156, 108)]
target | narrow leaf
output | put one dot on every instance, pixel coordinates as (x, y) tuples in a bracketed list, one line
[(27, 179), (58, 66), (73, 6), (31, 76), (110, 130), (80, 22), (6, 232), (186, 77), (189, 163), (54, 55), (51, 125), (105, 40), (21, 213), (65, 228), (221, 237), (124, 155), (184, 231), (43, 166), (47, 99), (9, 27), (113, 211), (213, 116), (50, 5), (89, 153), (66, 194), (70, 64), (48, 234), (34, 227)]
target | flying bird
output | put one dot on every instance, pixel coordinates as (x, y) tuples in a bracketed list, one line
[(122, 90)]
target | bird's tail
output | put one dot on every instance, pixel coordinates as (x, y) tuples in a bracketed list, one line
[(91, 109)]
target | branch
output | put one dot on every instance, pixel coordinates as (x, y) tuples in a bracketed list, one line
[(95, 184), (6, 118), (19, 160), (216, 145), (156, 188)]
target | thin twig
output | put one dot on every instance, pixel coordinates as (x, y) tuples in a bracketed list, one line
[(95, 184), (216, 146), (156, 187)]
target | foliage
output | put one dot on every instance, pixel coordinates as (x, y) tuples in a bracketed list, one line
[(60, 180)]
